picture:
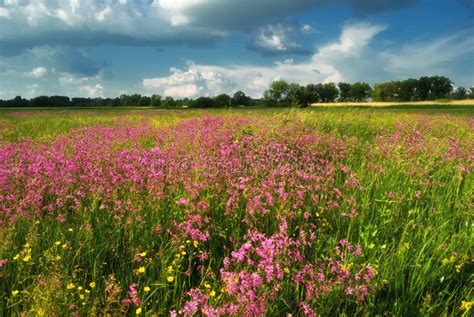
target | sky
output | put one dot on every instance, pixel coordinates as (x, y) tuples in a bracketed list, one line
[(192, 48)]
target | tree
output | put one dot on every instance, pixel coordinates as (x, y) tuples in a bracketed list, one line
[(203, 102), (460, 93), (155, 101), (293, 95), (327, 92), (407, 90), (441, 87), (344, 91), (360, 92), (168, 102), (240, 99), (222, 100), (277, 92)]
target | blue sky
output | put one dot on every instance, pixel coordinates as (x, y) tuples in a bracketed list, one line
[(190, 48)]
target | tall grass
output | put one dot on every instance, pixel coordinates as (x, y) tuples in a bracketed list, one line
[(347, 212)]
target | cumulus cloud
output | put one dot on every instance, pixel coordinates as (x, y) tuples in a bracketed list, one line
[(30, 23), (277, 39), (92, 91), (37, 72), (330, 63)]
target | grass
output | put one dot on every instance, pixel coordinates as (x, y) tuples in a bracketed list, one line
[(139, 207)]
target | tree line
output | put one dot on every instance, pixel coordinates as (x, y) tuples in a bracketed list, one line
[(280, 94)]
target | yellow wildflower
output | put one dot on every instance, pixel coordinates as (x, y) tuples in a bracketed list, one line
[(15, 292), (16, 257), (195, 243), (81, 296), (87, 291), (57, 258), (141, 269), (458, 268), (143, 254), (183, 252), (170, 269), (170, 279), (207, 285), (465, 305), (92, 284), (70, 230), (146, 289), (27, 245), (27, 257), (138, 311), (57, 243), (70, 286), (286, 270), (79, 288), (212, 293)]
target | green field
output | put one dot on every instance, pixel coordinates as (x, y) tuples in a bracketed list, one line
[(356, 211)]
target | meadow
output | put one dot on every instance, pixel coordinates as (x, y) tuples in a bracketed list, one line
[(250, 212)]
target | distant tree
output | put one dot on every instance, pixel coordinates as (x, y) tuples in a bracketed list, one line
[(311, 93), (441, 87), (155, 101), (168, 102), (470, 94), (327, 92), (145, 101), (459, 93), (407, 90), (17, 102), (203, 102), (240, 99), (277, 92), (222, 100), (294, 95), (344, 91), (360, 92)]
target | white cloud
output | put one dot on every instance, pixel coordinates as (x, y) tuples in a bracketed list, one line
[(4, 13), (92, 91), (37, 72), (276, 38), (424, 58), (331, 63), (306, 28)]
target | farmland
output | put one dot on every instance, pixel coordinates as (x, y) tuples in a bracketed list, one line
[(249, 212)]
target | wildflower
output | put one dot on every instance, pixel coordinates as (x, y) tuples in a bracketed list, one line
[(212, 293), (170, 269), (143, 254), (26, 246), (27, 257), (146, 289), (207, 285), (15, 292), (286, 270), (70, 286), (458, 268), (141, 269), (79, 288), (92, 284), (16, 257), (170, 279), (138, 311), (465, 305), (64, 246), (81, 296), (183, 252), (87, 291), (57, 258), (70, 230), (57, 243), (3, 262), (195, 243)]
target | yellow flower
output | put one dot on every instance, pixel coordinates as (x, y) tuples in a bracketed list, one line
[(70, 286), (57, 243), (141, 269), (79, 288), (212, 293), (15, 292), (183, 252), (92, 284), (57, 258), (146, 289), (170, 279), (40, 312), (286, 270), (87, 291), (207, 285), (196, 243), (143, 254), (188, 241), (170, 269), (27, 245), (16, 257), (138, 311), (64, 246), (70, 230), (458, 268), (27, 257), (465, 305), (81, 296)]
